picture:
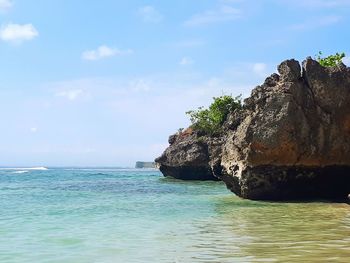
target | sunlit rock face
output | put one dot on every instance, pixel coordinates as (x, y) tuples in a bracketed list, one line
[(291, 140)]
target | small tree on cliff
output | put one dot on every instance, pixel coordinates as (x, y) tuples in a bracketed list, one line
[(330, 61), (209, 121)]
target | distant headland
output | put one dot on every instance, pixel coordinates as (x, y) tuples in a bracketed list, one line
[(145, 165)]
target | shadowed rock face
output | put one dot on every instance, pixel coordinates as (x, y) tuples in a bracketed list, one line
[(187, 157), (291, 140), (271, 182)]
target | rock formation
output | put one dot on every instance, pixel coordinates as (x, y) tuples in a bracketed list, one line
[(291, 140), (188, 156)]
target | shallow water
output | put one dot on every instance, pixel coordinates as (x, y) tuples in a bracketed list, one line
[(118, 215)]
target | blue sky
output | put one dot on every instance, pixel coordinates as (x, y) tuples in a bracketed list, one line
[(103, 83)]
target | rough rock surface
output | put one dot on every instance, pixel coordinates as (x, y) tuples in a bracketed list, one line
[(188, 156), (291, 140)]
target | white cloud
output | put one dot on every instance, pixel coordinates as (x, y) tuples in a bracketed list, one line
[(260, 69), (33, 129), (5, 5), (72, 94), (150, 14), (16, 33), (104, 52), (317, 22), (346, 61), (186, 61), (224, 13)]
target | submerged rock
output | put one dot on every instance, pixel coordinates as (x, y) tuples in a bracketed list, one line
[(291, 140)]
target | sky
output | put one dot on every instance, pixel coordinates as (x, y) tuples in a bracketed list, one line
[(104, 83)]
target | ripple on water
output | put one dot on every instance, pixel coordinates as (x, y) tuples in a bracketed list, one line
[(138, 216)]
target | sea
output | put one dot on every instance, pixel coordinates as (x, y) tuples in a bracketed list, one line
[(130, 215)]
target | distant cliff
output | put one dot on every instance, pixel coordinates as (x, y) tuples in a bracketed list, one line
[(290, 140), (145, 165)]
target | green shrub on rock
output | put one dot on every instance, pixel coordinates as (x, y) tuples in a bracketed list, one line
[(210, 121), (330, 61)]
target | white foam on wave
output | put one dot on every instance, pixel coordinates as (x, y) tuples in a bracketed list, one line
[(20, 172), (37, 168), (26, 169)]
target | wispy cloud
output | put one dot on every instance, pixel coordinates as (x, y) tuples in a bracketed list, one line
[(5, 5), (104, 52), (136, 102), (346, 61), (140, 85), (223, 13), (185, 61), (249, 73), (150, 14), (320, 3), (260, 69), (317, 22), (15, 33), (71, 95)]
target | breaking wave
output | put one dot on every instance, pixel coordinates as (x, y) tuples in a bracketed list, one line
[(20, 172), (21, 169)]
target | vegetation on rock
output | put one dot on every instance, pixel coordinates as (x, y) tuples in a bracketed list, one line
[(210, 120), (330, 61)]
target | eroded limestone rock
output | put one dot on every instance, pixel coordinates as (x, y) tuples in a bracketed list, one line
[(291, 140)]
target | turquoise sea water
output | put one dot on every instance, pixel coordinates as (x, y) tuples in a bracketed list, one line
[(121, 215)]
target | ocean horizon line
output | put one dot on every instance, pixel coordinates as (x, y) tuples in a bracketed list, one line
[(28, 167)]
